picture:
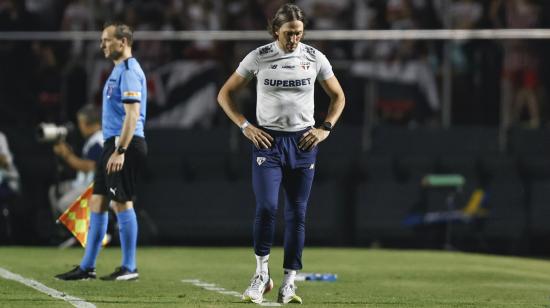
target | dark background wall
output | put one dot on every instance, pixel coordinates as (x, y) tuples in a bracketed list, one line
[(199, 193)]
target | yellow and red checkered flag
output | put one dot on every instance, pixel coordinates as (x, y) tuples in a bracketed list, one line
[(77, 217)]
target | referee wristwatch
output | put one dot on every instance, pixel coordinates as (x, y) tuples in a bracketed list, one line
[(120, 150), (326, 126)]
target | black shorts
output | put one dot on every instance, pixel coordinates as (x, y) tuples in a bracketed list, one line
[(121, 186)]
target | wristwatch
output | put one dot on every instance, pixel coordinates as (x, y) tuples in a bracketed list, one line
[(120, 150), (326, 126)]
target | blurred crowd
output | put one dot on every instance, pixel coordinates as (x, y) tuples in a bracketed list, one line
[(50, 80)]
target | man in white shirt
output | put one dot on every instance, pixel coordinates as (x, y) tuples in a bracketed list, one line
[(285, 143)]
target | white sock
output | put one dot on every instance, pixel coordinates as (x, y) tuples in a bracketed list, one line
[(290, 275), (262, 264)]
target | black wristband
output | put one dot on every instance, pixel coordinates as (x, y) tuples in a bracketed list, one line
[(326, 126), (121, 150)]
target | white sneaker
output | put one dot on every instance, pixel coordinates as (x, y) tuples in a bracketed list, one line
[(287, 294), (259, 285)]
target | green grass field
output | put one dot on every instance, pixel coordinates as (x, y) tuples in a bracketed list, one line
[(366, 278)]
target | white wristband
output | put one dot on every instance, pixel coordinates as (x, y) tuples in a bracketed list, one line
[(244, 125)]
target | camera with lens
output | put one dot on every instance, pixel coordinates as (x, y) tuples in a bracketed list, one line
[(50, 132)]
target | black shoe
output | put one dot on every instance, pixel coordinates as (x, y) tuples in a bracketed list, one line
[(78, 274), (122, 273)]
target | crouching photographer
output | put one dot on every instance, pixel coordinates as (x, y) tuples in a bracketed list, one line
[(89, 125)]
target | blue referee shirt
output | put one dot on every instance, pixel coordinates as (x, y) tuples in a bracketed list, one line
[(126, 83)]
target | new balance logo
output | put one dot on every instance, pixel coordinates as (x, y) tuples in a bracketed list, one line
[(312, 166), (113, 190), (273, 67), (260, 160)]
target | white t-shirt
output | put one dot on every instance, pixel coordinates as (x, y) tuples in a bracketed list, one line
[(285, 84)]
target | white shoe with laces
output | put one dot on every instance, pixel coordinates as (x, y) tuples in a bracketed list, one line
[(259, 285), (287, 294)]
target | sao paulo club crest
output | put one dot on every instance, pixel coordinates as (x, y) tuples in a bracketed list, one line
[(260, 160)]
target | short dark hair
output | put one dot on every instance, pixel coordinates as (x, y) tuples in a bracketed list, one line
[(286, 13), (121, 30), (91, 114)]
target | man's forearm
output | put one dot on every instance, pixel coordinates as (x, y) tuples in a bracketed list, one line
[(335, 109), (128, 128), (79, 164), (230, 108)]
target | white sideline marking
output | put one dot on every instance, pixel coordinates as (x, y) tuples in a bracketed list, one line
[(75, 301), (212, 287)]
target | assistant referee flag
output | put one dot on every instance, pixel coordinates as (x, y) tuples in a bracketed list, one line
[(77, 217)]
